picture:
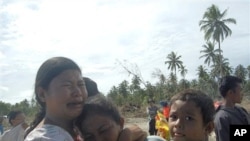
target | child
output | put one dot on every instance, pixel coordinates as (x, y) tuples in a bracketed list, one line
[(17, 121), (191, 116), (101, 120)]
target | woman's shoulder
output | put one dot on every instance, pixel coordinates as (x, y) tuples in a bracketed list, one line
[(48, 133)]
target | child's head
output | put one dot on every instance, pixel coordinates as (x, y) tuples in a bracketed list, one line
[(16, 117), (91, 87), (191, 115), (100, 119)]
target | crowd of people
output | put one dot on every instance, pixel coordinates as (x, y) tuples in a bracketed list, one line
[(72, 109)]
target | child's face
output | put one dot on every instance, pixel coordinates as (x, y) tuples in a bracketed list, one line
[(20, 118), (185, 122), (101, 128)]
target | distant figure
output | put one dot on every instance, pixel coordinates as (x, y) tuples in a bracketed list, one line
[(152, 112), (165, 109), (228, 113), (1, 125), (17, 121), (191, 116)]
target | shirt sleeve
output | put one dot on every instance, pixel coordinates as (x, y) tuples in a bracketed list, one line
[(222, 128)]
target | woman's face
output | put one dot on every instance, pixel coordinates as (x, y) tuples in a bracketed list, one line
[(65, 95), (101, 128)]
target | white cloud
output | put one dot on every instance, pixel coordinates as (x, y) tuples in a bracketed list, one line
[(95, 33)]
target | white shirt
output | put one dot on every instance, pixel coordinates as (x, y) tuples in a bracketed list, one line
[(14, 134), (49, 133)]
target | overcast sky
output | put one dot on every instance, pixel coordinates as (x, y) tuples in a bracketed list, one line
[(97, 33)]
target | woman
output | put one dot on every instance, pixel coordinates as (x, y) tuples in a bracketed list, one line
[(61, 92)]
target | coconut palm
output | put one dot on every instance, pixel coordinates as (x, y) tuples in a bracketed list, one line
[(183, 71), (202, 72), (209, 53), (174, 62), (214, 26), (224, 65), (241, 72)]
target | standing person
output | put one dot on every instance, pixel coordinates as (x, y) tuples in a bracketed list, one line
[(60, 91), (1, 125), (191, 116), (152, 112), (100, 120), (228, 113), (165, 109), (18, 126)]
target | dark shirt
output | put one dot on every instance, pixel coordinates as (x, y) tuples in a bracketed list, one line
[(226, 116)]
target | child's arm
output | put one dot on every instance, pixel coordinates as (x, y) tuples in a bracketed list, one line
[(132, 133)]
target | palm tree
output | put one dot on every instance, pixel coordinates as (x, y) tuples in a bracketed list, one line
[(209, 53), (202, 73), (183, 71), (225, 69), (214, 26), (241, 72), (173, 62)]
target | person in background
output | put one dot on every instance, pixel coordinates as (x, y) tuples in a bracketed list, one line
[(1, 125), (228, 113), (152, 112), (165, 109), (100, 120), (191, 116), (18, 124)]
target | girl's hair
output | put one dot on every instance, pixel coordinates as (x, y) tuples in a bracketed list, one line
[(91, 87), (48, 71), (98, 105), (203, 101), (12, 115)]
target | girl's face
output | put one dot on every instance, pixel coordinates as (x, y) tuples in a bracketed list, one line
[(101, 128), (185, 122), (65, 96)]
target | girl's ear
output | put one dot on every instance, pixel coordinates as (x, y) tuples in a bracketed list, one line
[(41, 94), (209, 127)]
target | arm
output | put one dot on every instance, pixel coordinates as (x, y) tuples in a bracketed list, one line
[(222, 128), (132, 133)]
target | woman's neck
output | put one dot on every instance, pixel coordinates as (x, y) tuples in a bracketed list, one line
[(65, 124)]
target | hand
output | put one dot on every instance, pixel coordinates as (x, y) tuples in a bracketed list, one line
[(132, 133)]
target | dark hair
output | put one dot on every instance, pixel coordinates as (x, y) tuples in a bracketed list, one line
[(91, 87), (12, 115), (98, 105), (203, 101), (48, 71), (228, 83)]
